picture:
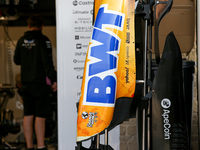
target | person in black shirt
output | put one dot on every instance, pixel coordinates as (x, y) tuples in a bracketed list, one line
[(34, 53)]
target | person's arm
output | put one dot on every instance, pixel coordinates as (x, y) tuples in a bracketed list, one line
[(46, 53), (54, 86), (17, 54)]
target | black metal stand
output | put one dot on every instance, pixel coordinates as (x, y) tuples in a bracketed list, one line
[(144, 105), (180, 129), (95, 143), (144, 109)]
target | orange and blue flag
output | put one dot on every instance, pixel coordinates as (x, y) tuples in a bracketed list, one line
[(110, 71)]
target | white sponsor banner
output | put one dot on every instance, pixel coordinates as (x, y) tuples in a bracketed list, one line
[(74, 28)]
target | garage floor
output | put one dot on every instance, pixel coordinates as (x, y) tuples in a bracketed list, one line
[(23, 147)]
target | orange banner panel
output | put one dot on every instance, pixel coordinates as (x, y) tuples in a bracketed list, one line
[(110, 70)]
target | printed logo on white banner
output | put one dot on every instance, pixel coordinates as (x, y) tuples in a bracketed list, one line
[(81, 12), (75, 2), (78, 61), (79, 77), (80, 46), (80, 53), (79, 68), (83, 29), (83, 22), (77, 37)]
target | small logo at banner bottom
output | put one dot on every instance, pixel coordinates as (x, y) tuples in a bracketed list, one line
[(84, 115), (92, 119)]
